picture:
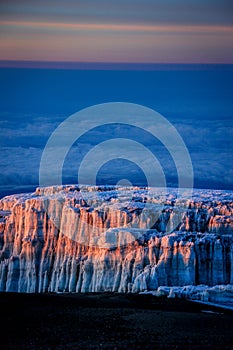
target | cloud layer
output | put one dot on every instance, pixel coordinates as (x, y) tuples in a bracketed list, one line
[(209, 149), (197, 101), (122, 11)]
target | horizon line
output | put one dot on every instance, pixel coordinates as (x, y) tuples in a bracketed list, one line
[(90, 65)]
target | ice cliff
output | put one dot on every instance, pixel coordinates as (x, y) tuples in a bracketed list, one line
[(91, 239)]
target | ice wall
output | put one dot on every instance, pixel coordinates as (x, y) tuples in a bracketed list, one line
[(90, 239)]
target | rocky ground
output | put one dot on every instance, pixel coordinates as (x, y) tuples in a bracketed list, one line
[(111, 321)]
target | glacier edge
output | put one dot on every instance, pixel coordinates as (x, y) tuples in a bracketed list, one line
[(69, 239)]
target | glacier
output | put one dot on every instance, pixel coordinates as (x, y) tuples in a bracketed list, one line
[(80, 238)]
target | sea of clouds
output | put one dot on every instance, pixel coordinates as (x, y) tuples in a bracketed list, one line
[(209, 143)]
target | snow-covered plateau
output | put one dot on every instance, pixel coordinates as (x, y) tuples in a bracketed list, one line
[(123, 239)]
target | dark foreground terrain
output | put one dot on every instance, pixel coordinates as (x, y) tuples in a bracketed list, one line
[(111, 321)]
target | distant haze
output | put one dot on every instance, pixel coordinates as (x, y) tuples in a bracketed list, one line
[(173, 31)]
